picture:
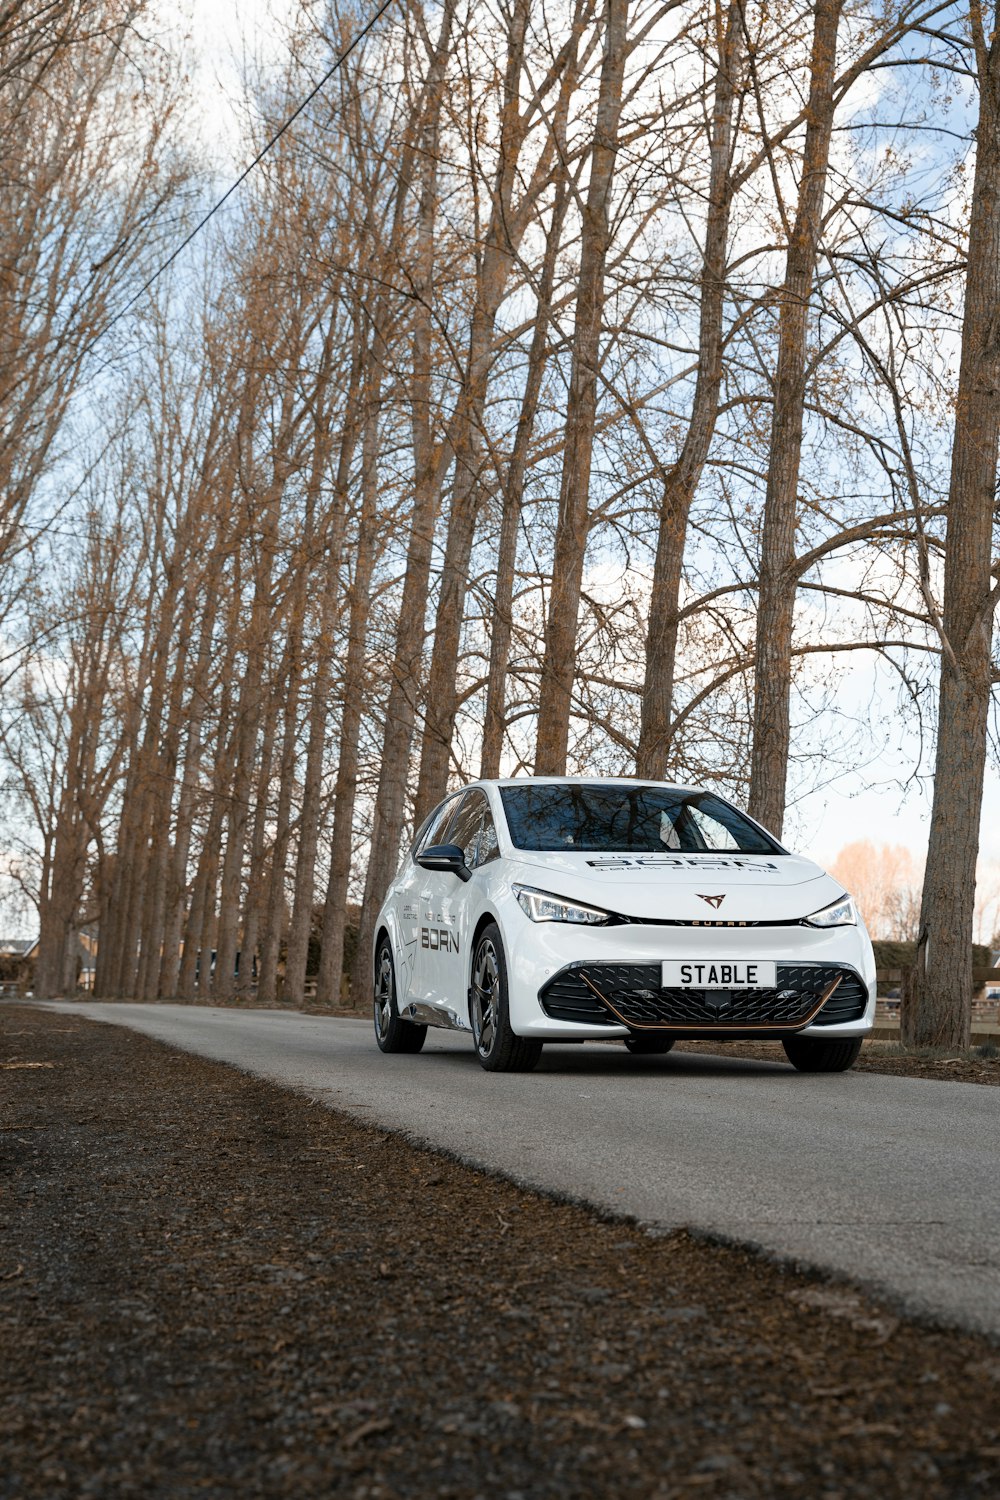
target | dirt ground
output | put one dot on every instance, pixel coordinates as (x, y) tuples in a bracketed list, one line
[(211, 1287)]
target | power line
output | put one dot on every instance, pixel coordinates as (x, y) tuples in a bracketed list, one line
[(245, 173)]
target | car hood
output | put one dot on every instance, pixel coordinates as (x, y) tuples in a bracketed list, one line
[(674, 887)]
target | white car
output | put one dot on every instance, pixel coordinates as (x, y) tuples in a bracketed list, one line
[(546, 909)]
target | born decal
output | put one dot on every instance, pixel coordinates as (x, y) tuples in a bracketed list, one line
[(439, 938)]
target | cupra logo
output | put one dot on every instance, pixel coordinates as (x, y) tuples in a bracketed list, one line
[(715, 901)]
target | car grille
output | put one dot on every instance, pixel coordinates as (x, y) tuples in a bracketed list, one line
[(605, 994), (567, 998), (848, 1002)]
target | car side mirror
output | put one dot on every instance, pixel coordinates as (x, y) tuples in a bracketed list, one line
[(445, 857)]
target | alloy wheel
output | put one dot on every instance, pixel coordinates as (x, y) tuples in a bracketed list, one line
[(485, 997), (383, 994)]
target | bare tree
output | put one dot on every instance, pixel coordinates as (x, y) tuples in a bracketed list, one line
[(572, 528), (390, 803), (682, 478), (776, 595), (87, 165), (509, 220), (494, 719), (942, 1008)]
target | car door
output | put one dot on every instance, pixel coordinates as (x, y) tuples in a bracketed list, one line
[(412, 893), (457, 905), (429, 887)]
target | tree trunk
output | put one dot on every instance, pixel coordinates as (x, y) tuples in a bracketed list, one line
[(943, 1000), (65, 867), (390, 800), (238, 811), (777, 582), (160, 801), (194, 980), (273, 889), (559, 661), (177, 888), (303, 894), (254, 908), (264, 912), (193, 976), (513, 494), (241, 767), (682, 479), (328, 984), (118, 939), (249, 712), (133, 864), (503, 237)]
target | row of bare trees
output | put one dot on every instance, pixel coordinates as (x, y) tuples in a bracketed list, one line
[(576, 387)]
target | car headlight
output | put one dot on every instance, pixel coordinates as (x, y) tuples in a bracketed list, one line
[(840, 914), (541, 907)]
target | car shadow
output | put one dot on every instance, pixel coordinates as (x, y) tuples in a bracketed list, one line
[(604, 1060)]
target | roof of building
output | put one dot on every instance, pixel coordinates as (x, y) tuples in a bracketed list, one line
[(16, 947)]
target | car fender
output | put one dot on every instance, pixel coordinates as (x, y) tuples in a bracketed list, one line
[(387, 921), (483, 910)]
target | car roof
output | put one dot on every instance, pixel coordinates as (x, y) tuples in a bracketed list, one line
[(501, 781)]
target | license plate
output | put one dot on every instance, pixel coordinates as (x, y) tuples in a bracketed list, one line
[(719, 974)]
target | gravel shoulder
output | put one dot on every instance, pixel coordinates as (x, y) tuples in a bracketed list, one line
[(211, 1286)]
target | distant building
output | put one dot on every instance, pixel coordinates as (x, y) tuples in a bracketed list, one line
[(17, 947), (17, 957), (993, 979), (15, 963)]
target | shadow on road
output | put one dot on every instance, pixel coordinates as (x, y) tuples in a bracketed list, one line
[(603, 1060)]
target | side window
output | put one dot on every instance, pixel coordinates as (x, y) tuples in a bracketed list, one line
[(437, 823), (465, 826), (489, 844)]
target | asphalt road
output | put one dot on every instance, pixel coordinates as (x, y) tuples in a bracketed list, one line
[(892, 1182)]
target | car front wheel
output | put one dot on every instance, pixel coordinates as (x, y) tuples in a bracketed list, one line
[(816, 1055), (498, 1049), (391, 1033)]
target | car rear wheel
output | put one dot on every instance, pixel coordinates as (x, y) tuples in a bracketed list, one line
[(497, 1047), (391, 1033), (648, 1046), (815, 1055)]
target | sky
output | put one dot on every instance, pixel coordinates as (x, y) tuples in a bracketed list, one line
[(220, 34), (875, 806)]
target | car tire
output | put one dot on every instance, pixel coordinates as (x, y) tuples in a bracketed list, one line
[(816, 1055), (648, 1046), (497, 1047), (391, 1033)]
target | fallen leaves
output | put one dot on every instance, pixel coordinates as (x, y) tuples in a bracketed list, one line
[(495, 1369), (847, 1306), (869, 1429), (366, 1430)]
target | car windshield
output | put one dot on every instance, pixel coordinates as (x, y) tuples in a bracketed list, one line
[(610, 819)]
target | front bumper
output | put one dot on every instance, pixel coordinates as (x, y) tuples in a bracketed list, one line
[(574, 983)]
